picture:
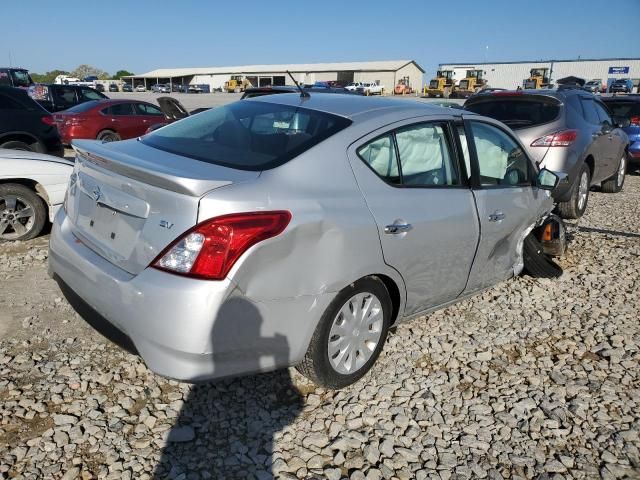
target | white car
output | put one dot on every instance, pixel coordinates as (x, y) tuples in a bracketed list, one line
[(141, 88), (370, 89), (353, 86), (32, 188)]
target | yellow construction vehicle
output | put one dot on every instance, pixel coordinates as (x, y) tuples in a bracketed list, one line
[(237, 84), (538, 78), (470, 84), (441, 86)]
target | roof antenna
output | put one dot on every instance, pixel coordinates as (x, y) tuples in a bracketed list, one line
[(303, 94)]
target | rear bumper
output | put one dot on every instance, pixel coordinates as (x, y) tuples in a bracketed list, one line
[(183, 328), (634, 153)]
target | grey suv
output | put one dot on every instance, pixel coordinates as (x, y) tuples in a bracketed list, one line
[(566, 130)]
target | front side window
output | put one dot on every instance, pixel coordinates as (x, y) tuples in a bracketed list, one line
[(425, 158), (89, 94), (590, 112), (144, 109), (501, 161), (247, 135), (603, 114)]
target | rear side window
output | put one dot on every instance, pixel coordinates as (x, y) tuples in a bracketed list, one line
[(247, 135), (119, 109), (64, 95), (417, 155), (518, 113), (603, 114), (144, 109)]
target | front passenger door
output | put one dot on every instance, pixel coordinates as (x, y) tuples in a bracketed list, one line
[(508, 203)]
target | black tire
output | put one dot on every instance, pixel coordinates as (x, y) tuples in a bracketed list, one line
[(17, 145), (616, 182), (25, 198), (536, 263), (316, 365), (571, 208), (108, 136)]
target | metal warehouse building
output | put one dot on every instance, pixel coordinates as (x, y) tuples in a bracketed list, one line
[(386, 73), (511, 74)]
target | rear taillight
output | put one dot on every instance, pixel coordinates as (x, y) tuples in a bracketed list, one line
[(48, 120), (558, 139), (211, 248), (635, 121), (73, 121)]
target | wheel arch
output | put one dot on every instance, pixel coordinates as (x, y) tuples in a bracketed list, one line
[(29, 183), (394, 294), (590, 162), (19, 137)]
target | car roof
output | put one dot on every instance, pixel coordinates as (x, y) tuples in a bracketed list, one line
[(349, 106)]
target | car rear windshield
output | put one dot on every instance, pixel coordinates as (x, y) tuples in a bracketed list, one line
[(247, 135), (82, 107), (518, 113), (624, 109)]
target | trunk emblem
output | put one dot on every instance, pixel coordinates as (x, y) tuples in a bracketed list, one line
[(166, 224)]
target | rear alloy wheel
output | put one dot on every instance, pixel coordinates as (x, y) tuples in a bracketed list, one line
[(16, 145), (577, 204), (22, 213), (108, 136), (349, 336), (615, 183)]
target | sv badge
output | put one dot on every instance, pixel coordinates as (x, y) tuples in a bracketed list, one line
[(166, 224)]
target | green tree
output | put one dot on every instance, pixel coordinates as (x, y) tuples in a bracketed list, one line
[(122, 73), (48, 77)]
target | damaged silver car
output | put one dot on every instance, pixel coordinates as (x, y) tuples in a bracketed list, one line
[(295, 230)]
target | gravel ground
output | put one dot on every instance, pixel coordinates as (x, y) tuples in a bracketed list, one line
[(532, 379)]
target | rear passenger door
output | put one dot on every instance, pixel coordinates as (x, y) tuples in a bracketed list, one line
[(149, 115), (123, 120), (416, 190), (508, 202)]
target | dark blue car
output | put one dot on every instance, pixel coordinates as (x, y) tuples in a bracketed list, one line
[(628, 107)]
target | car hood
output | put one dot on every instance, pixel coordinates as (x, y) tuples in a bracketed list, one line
[(22, 155)]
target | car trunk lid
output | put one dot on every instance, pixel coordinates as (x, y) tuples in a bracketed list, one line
[(128, 201)]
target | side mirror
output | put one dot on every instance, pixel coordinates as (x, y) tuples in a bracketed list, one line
[(547, 180)]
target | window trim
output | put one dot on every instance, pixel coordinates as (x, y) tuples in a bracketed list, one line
[(475, 164), (453, 151)]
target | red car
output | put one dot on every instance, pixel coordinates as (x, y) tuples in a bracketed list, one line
[(107, 120)]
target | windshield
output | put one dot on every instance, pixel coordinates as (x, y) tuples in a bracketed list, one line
[(247, 135), (624, 109), (518, 113), (433, 84)]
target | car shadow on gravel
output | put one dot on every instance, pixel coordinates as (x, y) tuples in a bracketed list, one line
[(226, 429), (616, 233)]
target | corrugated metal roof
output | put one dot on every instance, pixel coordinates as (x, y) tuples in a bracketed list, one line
[(389, 65), (618, 59)]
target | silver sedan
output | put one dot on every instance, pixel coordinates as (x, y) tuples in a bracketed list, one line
[(288, 230)]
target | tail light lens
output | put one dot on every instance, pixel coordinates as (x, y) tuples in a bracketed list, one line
[(211, 248), (72, 121), (635, 121), (48, 120), (558, 139)]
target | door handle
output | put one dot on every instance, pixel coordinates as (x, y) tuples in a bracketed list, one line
[(496, 216), (397, 228)]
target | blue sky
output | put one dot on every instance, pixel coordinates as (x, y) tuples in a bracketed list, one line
[(141, 35)]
